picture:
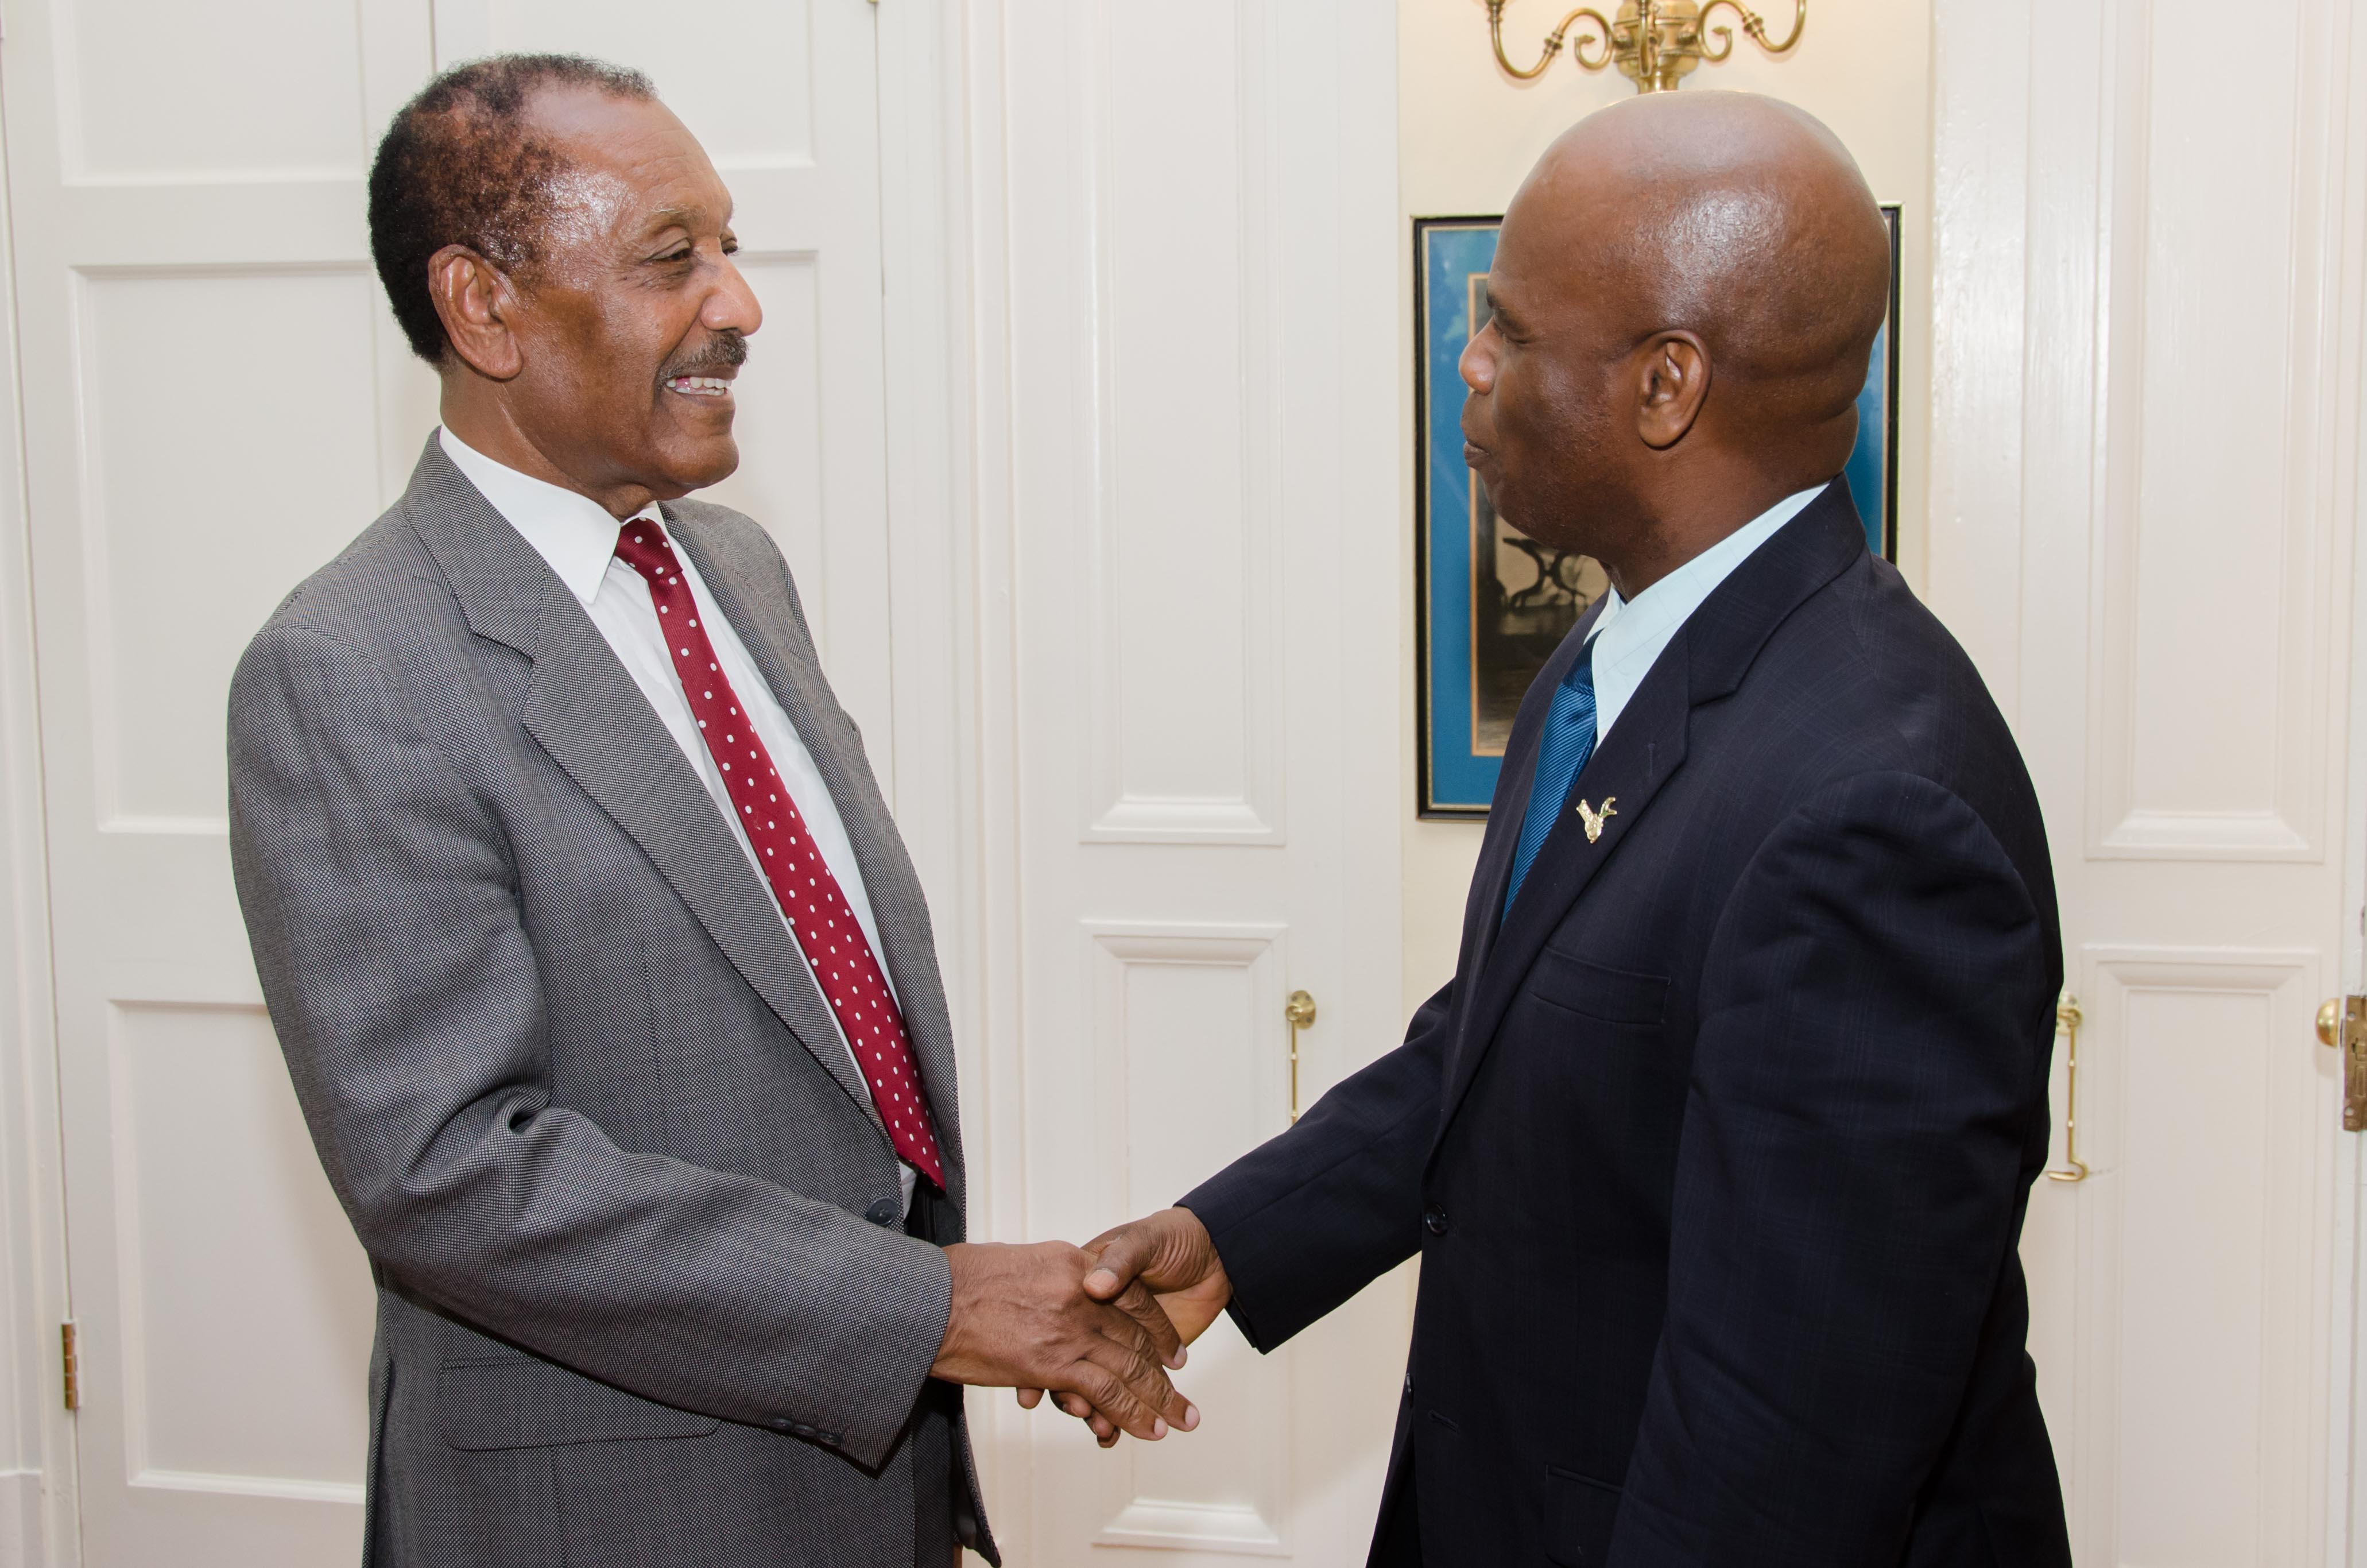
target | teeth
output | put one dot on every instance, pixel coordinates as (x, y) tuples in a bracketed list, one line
[(705, 386)]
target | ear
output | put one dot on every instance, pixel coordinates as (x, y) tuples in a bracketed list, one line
[(476, 304), (1671, 382)]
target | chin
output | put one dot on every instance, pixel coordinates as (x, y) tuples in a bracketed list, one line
[(707, 462), (1552, 529)]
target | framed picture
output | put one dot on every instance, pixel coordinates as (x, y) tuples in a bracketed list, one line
[(1491, 604)]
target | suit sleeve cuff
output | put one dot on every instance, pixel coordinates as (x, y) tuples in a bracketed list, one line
[(909, 1315)]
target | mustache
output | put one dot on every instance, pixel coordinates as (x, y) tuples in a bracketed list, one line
[(727, 350)]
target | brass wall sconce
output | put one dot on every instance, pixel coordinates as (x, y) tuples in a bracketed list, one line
[(1655, 42)]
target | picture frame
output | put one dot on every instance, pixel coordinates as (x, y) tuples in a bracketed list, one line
[(1492, 605)]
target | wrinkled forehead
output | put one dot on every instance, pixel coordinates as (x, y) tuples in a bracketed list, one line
[(630, 169)]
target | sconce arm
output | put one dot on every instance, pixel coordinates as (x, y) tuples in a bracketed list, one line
[(1752, 23), (1600, 37)]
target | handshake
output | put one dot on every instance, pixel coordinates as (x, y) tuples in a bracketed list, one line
[(1098, 1327)]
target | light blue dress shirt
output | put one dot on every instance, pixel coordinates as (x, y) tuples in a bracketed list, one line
[(1630, 637)]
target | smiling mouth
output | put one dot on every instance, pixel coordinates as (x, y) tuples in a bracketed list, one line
[(699, 386)]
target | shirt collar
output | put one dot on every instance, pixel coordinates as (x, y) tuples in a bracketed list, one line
[(572, 532), (1630, 635), (1672, 601)]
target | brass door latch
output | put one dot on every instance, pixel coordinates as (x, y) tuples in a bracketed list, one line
[(2342, 1024), (2067, 1019), (1299, 1012)]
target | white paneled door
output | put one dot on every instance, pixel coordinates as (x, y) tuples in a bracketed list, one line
[(220, 402), (1203, 565)]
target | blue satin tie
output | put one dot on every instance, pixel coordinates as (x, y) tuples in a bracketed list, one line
[(1568, 742)]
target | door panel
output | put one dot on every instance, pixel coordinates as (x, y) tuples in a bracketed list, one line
[(218, 400), (234, 90), (200, 1341), (2193, 1440), (176, 399)]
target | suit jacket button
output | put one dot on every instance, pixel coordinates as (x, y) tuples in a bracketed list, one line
[(884, 1211), (1434, 1220)]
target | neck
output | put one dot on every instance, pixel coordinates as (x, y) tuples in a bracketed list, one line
[(487, 425), (1684, 520)]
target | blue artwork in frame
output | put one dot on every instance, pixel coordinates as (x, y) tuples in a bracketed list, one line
[(1491, 604)]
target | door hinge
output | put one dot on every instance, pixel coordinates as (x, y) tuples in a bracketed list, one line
[(69, 1354)]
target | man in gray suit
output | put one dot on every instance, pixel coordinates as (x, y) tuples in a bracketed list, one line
[(605, 981)]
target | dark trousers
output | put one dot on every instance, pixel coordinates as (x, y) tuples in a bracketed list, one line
[(938, 1497), (1397, 1539)]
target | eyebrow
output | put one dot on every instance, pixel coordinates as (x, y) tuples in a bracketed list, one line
[(683, 217)]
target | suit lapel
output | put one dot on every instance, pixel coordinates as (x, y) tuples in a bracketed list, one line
[(1706, 661), (583, 708), (1643, 749)]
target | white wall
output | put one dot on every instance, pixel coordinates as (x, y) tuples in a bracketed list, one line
[(1467, 135)]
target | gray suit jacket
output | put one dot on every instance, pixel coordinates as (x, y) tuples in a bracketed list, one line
[(644, 1297)]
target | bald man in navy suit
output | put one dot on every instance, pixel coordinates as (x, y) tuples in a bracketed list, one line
[(1717, 1148)]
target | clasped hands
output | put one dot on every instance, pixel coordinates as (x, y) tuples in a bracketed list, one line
[(1099, 1326)]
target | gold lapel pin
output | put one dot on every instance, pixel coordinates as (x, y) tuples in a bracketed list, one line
[(1594, 819)]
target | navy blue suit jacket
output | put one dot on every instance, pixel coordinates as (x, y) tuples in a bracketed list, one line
[(1717, 1148)]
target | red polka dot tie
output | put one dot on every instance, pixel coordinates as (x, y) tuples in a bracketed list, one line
[(827, 932)]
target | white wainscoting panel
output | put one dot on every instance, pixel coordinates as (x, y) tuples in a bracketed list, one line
[(2202, 1274), (176, 393), (21, 1517), (2214, 565), (206, 1124), (1186, 426), (168, 94), (1186, 1017)]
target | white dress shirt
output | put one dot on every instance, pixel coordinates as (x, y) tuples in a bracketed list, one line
[(1630, 637), (578, 538)]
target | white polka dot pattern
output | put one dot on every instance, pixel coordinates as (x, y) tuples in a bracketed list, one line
[(832, 943)]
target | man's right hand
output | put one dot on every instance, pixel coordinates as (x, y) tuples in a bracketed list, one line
[(1171, 1253), (1022, 1318)]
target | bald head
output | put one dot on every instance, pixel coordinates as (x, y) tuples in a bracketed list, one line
[(1688, 288), (1737, 217)]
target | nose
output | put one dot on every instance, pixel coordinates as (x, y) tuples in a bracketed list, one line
[(731, 306), (1477, 366)]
